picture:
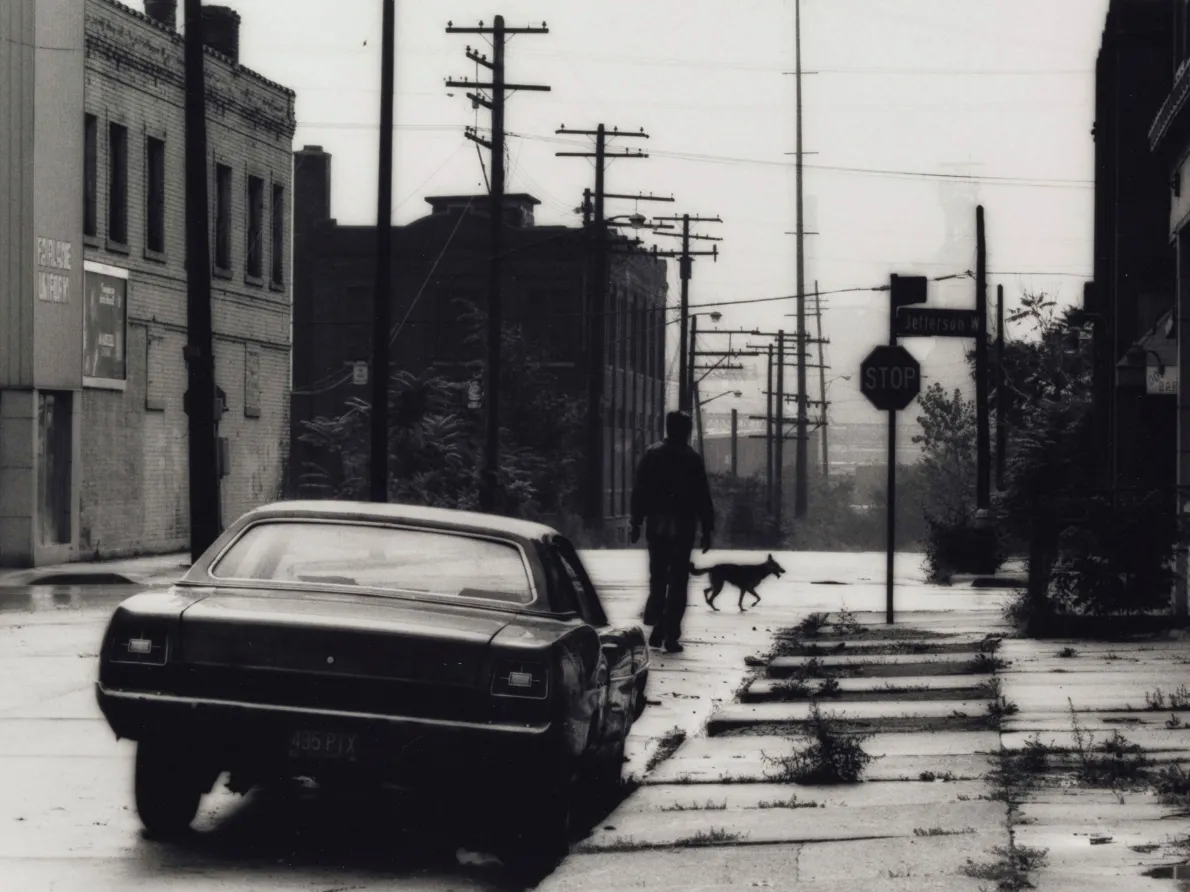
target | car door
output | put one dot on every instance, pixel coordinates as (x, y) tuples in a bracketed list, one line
[(624, 649)]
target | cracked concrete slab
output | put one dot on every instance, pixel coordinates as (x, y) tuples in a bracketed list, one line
[(659, 797), (959, 686), (886, 666), (798, 825), (902, 858), (867, 713)]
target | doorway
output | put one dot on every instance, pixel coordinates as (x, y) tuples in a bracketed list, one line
[(55, 445)]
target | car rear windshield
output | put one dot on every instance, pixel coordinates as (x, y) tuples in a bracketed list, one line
[(378, 557)]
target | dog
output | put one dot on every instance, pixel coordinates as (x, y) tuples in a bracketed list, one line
[(745, 577)]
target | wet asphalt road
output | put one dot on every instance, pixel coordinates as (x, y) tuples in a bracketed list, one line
[(67, 820)]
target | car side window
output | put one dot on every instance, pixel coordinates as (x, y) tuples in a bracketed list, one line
[(588, 602), (560, 580)]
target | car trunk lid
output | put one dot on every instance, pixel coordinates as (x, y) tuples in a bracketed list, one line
[(341, 636)]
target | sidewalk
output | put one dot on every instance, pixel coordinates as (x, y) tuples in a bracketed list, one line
[(151, 570), (949, 802)]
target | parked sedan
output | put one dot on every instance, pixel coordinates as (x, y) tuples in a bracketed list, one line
[(383, 644)]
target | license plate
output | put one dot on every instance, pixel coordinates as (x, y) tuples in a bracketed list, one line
[(324, 745)]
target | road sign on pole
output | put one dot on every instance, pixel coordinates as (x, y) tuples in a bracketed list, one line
[(930, 322), (890, 378), (907, 290)]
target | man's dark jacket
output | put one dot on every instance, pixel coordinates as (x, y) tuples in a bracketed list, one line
[(671, 480)]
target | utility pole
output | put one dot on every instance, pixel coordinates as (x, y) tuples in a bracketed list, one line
[(734, 448), (982, 437), (690, 363), (826, 464), (779, 451), (199, 353), (596, 311), (685, 262), (489, 489), (771, 478), (1001, 397), (382, 303), (800, 498)]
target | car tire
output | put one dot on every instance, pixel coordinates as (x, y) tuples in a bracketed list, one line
[(167, 790)]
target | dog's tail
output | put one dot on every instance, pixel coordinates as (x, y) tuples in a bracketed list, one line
[(694, 571)]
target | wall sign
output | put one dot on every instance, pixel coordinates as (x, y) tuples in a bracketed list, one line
[(53, 270), (105, 325), (1161, 382)]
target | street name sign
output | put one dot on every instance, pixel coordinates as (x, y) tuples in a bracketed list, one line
[(890, 378), (930, 322)]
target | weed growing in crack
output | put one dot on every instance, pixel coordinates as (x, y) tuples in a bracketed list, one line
[(984, 663), (667, 746), (931, 776), (1174, 721), (1112, 763), (791, 802), (1068, 652), (1035, 756), (847, 623), (694, 806), (1000, 707), (1010, 868), (1159, 701), (941, 831), (829, 688), (812, 625), (792, 689), (833, 757), (619, 844), (714, 836), (1172, 786), (990, 645)]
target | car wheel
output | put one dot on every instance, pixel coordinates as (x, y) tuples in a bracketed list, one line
[(167, 790)]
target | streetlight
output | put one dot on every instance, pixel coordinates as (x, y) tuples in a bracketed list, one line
[(710, 399)]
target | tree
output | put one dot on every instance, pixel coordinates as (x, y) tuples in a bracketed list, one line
[(955, 541), (435, 438)]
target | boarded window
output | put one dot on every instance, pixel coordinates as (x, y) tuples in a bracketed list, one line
[(278, 241), (251, 382), (255, 246), (117, 201), (90, 175), (222, 217), (155, 195)]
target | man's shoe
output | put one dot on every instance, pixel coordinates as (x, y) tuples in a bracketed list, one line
[(673, 647), (656, 638)]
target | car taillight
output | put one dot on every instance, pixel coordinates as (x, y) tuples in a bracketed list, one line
[(136, 644), (516, 679)]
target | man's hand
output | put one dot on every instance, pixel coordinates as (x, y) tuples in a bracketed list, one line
[(706, 541), (634, 533)]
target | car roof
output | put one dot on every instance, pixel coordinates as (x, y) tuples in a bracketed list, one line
[(449, 518)]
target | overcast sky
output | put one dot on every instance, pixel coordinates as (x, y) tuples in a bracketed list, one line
[(903, 91)]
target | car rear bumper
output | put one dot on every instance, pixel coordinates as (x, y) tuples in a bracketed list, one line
[(231, 733)]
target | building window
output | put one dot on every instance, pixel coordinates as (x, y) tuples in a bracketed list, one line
[(277, 273), (117, 203), (222, 218), (255, 248), (155, 195), (90, 176)]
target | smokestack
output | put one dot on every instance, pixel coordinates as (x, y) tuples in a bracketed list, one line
[(221, 30), (163, 12), (311, 189)]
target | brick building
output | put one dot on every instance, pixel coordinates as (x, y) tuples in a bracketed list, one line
[(442, 258), (93, 302)]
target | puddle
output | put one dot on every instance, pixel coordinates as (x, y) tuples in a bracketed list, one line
[(1180, 872)]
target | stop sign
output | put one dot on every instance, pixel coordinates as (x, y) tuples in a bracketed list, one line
[(890, 378)]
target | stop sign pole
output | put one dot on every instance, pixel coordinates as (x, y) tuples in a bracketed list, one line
[(890, 379)]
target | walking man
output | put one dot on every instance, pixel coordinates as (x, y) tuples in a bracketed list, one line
[(671, 496)]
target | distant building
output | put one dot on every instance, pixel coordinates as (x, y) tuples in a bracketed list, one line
[(441, 259), (93, 283), (1132, 294), (1169, 138)]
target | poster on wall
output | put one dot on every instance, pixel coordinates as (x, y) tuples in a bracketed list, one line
[(105, 325)]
